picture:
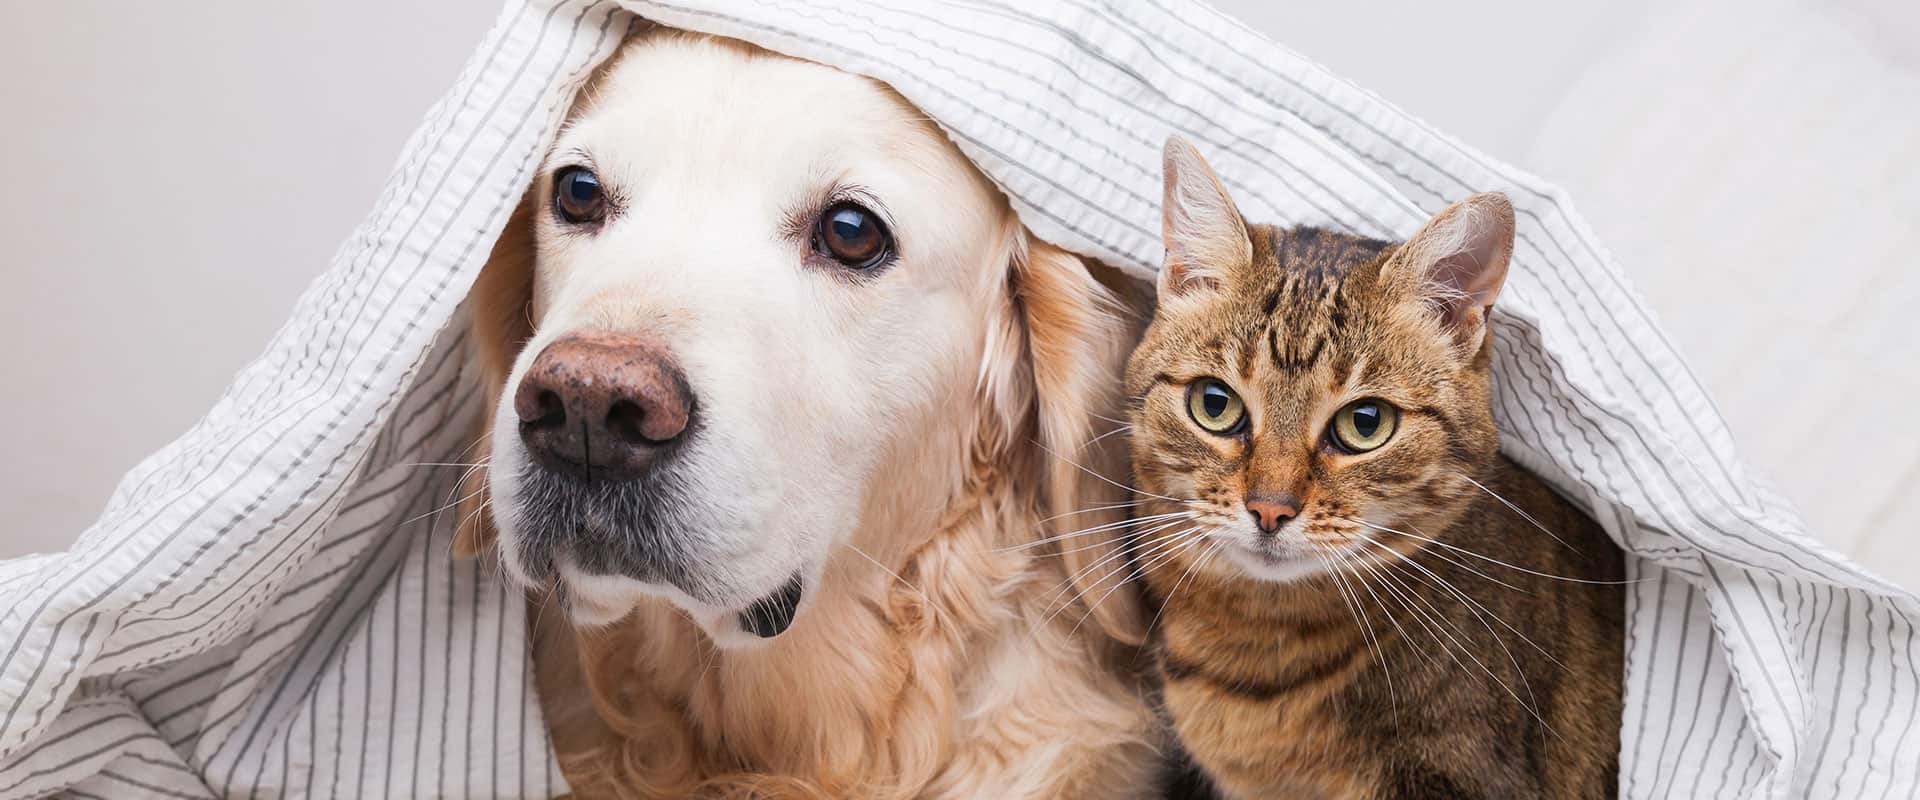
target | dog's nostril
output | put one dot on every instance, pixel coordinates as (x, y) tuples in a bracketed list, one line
[(549, 412), (624, 421)]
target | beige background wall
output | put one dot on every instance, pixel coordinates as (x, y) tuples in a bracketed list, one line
[(172, 175)]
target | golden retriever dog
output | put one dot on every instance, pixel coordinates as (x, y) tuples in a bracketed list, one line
[(794, 428)]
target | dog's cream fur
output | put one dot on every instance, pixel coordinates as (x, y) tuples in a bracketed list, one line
[(910, 443)]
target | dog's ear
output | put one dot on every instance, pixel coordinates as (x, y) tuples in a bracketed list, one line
[(501, 322), (1077, 334)]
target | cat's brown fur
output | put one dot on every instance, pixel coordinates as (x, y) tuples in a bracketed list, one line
[(1360, 676)]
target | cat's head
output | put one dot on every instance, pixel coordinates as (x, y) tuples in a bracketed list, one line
[(1306, 397)]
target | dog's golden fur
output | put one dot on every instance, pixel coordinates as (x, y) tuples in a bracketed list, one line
[(950, 650)]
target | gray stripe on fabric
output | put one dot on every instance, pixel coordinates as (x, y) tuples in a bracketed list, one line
[(1840, 679), (1726, 689), (77, 760), (1913, 720), (1866, 698), (153, 789), (1659, 616)]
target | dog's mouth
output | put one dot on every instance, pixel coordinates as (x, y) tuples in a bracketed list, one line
[(770, 616)]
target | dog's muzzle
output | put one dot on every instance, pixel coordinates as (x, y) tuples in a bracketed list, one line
[(603, 416)]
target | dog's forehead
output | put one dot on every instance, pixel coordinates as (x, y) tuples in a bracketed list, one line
[(714, 104)]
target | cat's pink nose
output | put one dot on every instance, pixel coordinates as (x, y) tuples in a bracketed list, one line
[(1272, 512)]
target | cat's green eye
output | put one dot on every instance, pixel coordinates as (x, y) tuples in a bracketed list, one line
[(1215, 407), (1365, 425)]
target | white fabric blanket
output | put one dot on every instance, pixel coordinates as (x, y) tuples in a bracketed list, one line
[(266, 607)]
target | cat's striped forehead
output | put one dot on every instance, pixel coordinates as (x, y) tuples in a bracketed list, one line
[(1300, 276)]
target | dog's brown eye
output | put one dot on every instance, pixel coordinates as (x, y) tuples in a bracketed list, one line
[(853, 236), (578, 197)]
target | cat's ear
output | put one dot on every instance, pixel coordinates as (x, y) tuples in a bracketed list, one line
[(1205, 237), (1458, 262)]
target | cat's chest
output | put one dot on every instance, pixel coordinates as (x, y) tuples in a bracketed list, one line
[(1265, 715), (1291, 746)]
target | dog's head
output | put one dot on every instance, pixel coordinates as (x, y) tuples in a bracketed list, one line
[(743, 290)]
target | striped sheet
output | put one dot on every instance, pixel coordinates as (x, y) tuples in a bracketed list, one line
[(266, 607)]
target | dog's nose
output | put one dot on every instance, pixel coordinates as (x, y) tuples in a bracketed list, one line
[(602, 405), (1272, 512)]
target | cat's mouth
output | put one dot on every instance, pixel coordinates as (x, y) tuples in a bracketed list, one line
[(1279, 559)]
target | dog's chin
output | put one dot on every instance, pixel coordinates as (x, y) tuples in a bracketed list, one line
[(597, 601)]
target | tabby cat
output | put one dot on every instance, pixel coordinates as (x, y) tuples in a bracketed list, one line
[(1357, 596)]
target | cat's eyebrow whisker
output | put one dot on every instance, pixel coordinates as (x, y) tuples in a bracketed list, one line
[(1518, 510), (1488, 559)]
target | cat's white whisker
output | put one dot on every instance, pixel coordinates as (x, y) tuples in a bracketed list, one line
[(1059, 601), (1361, 618), (1472, 603), (1172, 553), (1518, 510), (1462, 647), (1095, 509), (1488, 559), (1095, 440), (883, 568), (1119, 553), (1532, 703), (1102, 478), (1102, 528), (1373, 570), (1204, 556)]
